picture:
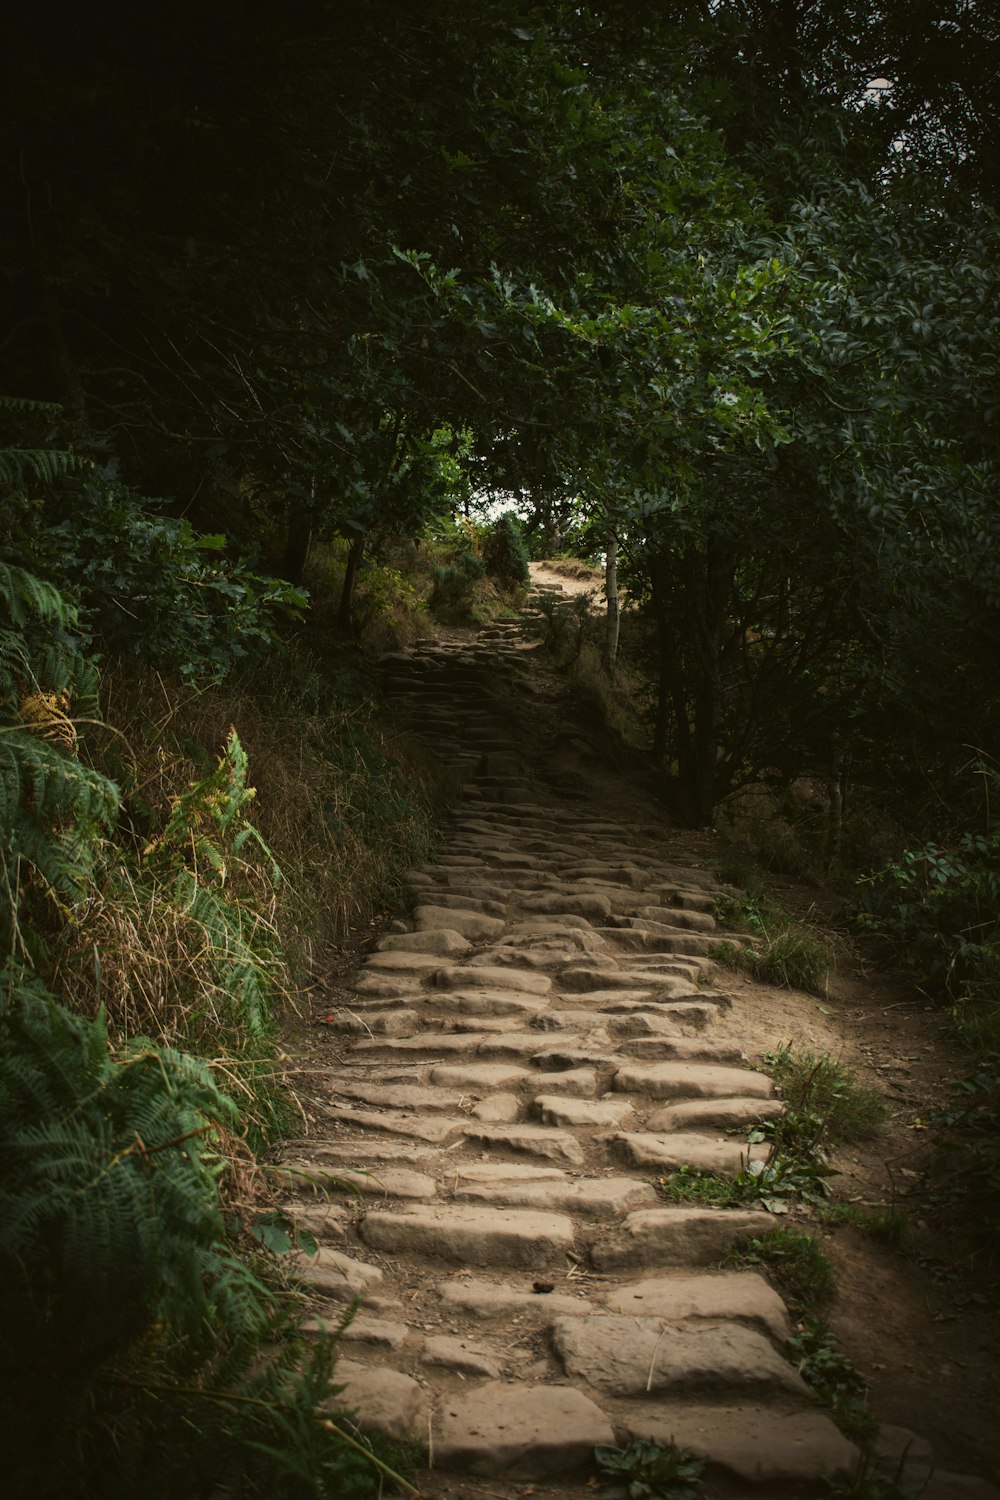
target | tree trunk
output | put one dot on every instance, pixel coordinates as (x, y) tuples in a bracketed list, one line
[(298, 540), (835, 793), (613, 628), (345, 610), (63, 376)]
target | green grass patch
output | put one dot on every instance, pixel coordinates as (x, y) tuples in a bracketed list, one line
[(889, 1226), (822, 1094), (793, 1261), (782, 951)]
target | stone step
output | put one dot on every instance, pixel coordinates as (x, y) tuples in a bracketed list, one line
[(472, 1235), (670, 1080), (668, 1152), (736, 1296), (677, 1236)]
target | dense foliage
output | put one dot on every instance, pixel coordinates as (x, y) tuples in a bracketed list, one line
[(709, 292)]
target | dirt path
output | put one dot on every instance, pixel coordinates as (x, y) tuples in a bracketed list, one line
[(490, 1103)]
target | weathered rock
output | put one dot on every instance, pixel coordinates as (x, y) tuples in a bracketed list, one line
[(598, 1196), (498, 1109), (381, 1333), (439, 940), (488, 1003), (478, 1076), (677, 1236), (463, 1355), (492, 1299), (726, 1114), (630, 1356), (420, 964), (581, 1083), (408, 1096), (560, 904), (534, 1140), (471, 1235), (552, 1109), (722, 1154), (736, 1296), (472, 925), (489, 977), (336, 1275), (521, 1431), (394, 1022), (418, 1127), (392, 1403), (754, 1444), (668, 1080), (386, 1182)]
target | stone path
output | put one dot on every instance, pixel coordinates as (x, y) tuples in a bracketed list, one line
[(521, 1057)]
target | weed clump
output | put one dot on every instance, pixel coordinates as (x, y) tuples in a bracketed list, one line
[(834, 1379), (793, 1260), (823, 1097), (781, 950)]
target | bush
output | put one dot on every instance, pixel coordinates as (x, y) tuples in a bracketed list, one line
[(940, 906), (782, 951), (505, 555)]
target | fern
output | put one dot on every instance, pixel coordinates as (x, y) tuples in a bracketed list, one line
[(139, 1353)]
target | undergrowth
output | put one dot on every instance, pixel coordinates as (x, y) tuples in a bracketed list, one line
[(793, 1260), (834, 1379), (780, 950)]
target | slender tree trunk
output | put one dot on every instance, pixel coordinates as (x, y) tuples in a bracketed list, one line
[(613, 628), (298, 540), (835, 793), (345, 610), (61, 368)]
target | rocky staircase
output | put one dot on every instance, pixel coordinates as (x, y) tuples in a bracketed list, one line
[(514, 1066)]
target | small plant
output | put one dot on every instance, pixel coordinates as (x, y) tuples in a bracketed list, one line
[(782, 951), (822, 1097), (833, 1377), (965, 1170), (794, 1262), (647, 1470), (771, 1183), (866, 1483), (889, 1227)]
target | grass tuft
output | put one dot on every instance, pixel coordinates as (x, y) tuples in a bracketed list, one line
[(816, 1086), (793, 1261)]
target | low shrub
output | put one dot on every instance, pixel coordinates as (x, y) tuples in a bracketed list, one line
[(781, 950)]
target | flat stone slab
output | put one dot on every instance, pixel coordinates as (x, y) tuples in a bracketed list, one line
[(333, 1274), (595, 1196), (418, 1127), (533, 1140), (581, 1083), (489, 1173), (488, 977), (564, 904), (386, 1182), (393, 1022), (513, 1044), (553, 1109), (424, 1044), (755, 1444), (471, 925), (479, 1075), (677, 1236), (726, 1114), (400, 1095), (440, 940), (387, 1400), (463, 1355), (498, 1109), (493, 1003), (667, 1080), (671, 1151), (736, 1296), (471, 1235), (415, 963), (629, 1356), (491, 1299), (381, 1333), (646, 1037), (520, 1431)]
